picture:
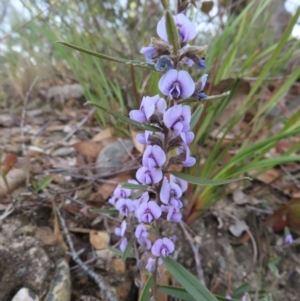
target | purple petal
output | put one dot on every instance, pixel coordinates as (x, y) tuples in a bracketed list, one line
[(137, 115), (141, 232), (123, 244), (156, 247), (155, 209), (167, 81), (189, 137), (156, 153), (191, 161), (201, 64), (174, 215), (168, 244), (112, 201), (203, 80), (121, 192), (165, 192), (146, 243), (148, 106), (149, 52), (181, 183), (187, 84), (162, 30), (172, 115), (177, 128), (118, 231), (150, 265), (160, 105), (187, 30)]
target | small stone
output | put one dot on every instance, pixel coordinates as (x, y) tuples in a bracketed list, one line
[(24, 294)]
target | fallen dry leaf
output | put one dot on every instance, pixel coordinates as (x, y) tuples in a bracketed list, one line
[(89, 149), (8, 163), (267, 177), (102, 135), (14, 179), (99, 239)]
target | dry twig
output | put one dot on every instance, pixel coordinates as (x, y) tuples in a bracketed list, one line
[(110, 294), (195, 247)]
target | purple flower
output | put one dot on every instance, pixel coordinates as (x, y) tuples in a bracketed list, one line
[(289, 239), (149, 52), (170, 194), (159, 103), (178, 119), (174, 214), (181, 183), (141, 232), (121, 192), (146, 110), (149, 175), (187, 137), (154, 156), (150, 265), (163, 247), (186, 61), (147, 212), (201, 64), (164, 63), (120, 231), (176, 84), (188, 161), (123, 244), (186, 29), (228, 297), (145, 242), (143, 198), (144, 138), (124, 206)]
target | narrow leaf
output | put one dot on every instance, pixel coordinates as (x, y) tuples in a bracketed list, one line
[(109, 58), (177, 292), (133, 186), (120, 253), (205, 182), (195, 117), (106, 211), (192, 285), (172, 32), (43, 183), (146, 293), (127, 251), (142, 126)]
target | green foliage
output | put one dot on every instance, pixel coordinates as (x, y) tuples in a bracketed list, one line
[(189, 282)]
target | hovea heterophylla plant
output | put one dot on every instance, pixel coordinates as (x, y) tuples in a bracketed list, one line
[(154, 197)]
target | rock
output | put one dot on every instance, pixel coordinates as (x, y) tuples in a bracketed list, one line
[(24, 294), (60, 289), (23, 264), (113, 155)]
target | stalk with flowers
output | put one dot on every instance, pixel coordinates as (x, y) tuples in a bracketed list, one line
[(154, 197)]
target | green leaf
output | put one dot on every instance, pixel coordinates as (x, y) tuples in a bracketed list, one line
[(106, 211), (127, 251), (133, 186), (192, 285), (146, 293), (195, 117), (177, 292), (172, 32), (109, 58), (43, 183), (142, 126), (120, 253), (268, 298), (205, 182)]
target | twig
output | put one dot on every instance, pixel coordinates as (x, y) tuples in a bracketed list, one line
[(97, 278), (80, 124), (24, 111), (195, 248)]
